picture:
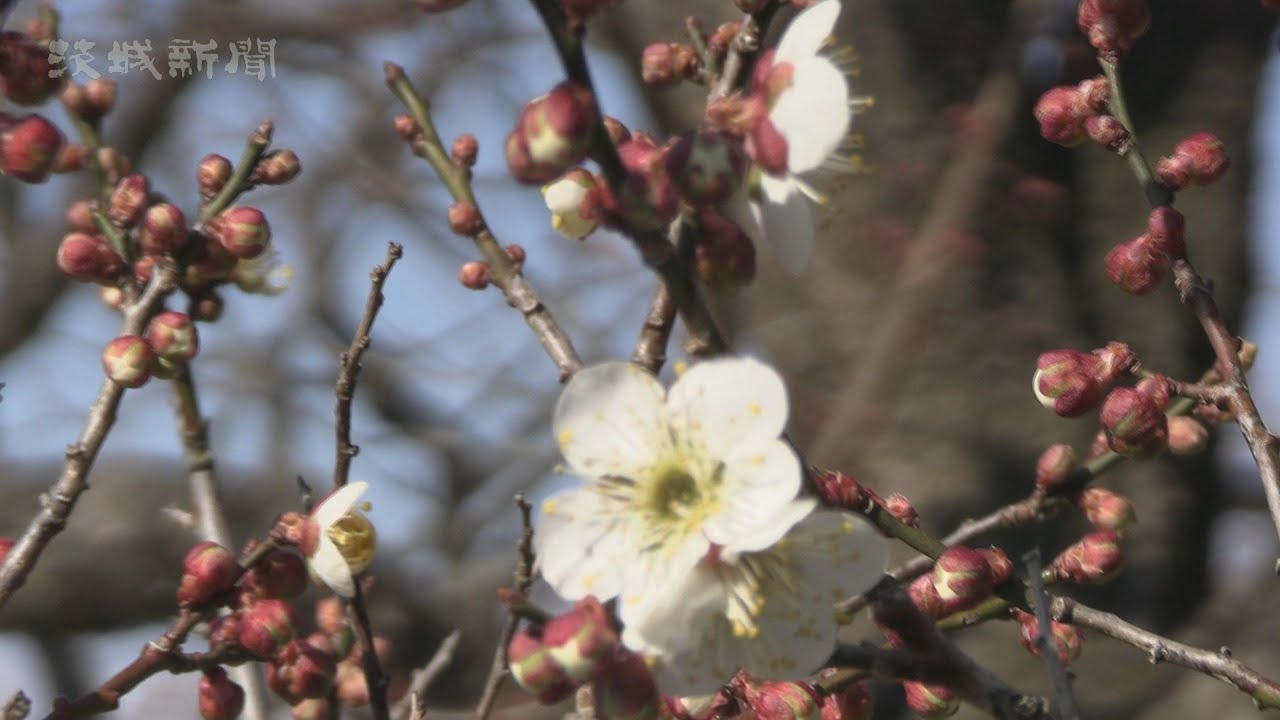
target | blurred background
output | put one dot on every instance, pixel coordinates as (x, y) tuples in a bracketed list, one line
[(908, 351)]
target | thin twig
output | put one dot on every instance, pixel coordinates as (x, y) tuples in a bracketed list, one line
[(523, 577), (651, 347), (506, 276), (413, 704), (1065, 708), (58, 502)]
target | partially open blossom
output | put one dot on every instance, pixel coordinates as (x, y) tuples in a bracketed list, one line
[(128, 361), (1065, 639), (262, 275), (1112, 26), (29, 147), (552, 134), (688, 494), (129, 200), (963, 578), (265, 626), (565, 199), (1136, 426), (1187, 436), (1137, 266), (338, 540), (219, 697), (1054, 466), (582, 640), (243, 231), (930, 701), (208, 569), (1095, 559), (1105, 509)]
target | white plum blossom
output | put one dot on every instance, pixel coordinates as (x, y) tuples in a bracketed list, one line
[(340, 541), (685, 515), (564, 198), (807, 118), (263, 274)]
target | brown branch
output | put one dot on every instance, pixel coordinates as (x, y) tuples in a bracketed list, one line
[(651, 347), (413, 704), (506, 275), (1220, 665), (523, 577), (58, 502)]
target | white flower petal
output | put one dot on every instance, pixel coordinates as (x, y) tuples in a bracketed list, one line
[(752, 521), (652, 580), (786, 221), (808, 31), (582, 544), (333, 507), (332, 569), (665, 623), (728, 406), (813, 114), (610, 420), (837, 553)]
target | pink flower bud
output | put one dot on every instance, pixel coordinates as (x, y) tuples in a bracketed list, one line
[(301, 670), (1157, 387), (1174, 172), (79, 216), (26, 75), (1136, 266), (706, 167), (722, 37), (475, 275), (465, 219), (219, 698), (29, 147), (924, 595), (1187, 436), (1000, 564), (1094, 95), (406, 127), (566, 199), (581, 641), (280, 574), (930, 701), (963, 579), (1167, 228), (1054, 467), (129, 200), (901, 509), (212, 174), (88, 258), (276, 168), (164, 230), (243, 231), (1135, 425), (723, 254), (553, 134), (626, 691), (1206, 155), (516, 254), (1105, 510), (1065, 382), (224, 631), (658, 64), (1112, 26), (173, 336), (265, 626), (783, 701), (1066, 639), (464, 150), (128, 361), (836, 489), (208, 569), (1095, 559), (1115, 360), (71, 157), (852, 702), (1058, 118), (534, 669), (1107, 131)]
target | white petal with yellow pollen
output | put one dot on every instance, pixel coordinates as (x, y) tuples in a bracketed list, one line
[(338, 503), (582, 543), (813, 114), (750, 526), (331, 568), (809, 30), (665, 622), (610, 420), (729, 406)]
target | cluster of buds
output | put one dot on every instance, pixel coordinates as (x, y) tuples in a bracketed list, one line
[(1199, 158), (1137, 266), (1112, 26), (1094, 559), (1071, 383), (1067, 639), (92, 101), (1070, 114), (170, 339)]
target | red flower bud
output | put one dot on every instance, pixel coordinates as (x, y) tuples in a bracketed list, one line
[(25, 71), (930, 701), (581, 641), (219, 698), (1065, 382), (626, 691), (706, 167), (1115, 360), (280, 574), (465, 219), (553, 134), (1094, 95), (1157, 387), (129, 200), (224, 631), (88, 258), (1206, 156), (242, 231), (128, 361), (535, 669), (475, 275), (164, 230), (300, 671), (71, 157), (1054, 467), (658, 64), (1066, 639), (1095, 559), (782, 701), (265, 626), (206, 307), (1107, 131), (1105, 509), (1136, 427), (924, 595), (1000, 564), (1112, 26), (29, 147), (173, 336), (1136, 266), (1187, 436), (276, 168), (852, 702), (208, 569), (212, 173), (901, 509), (1174, 172), (1168, 230), (79, 216), (1056, 111), (963, 579), (464, 150), (101, 93)]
